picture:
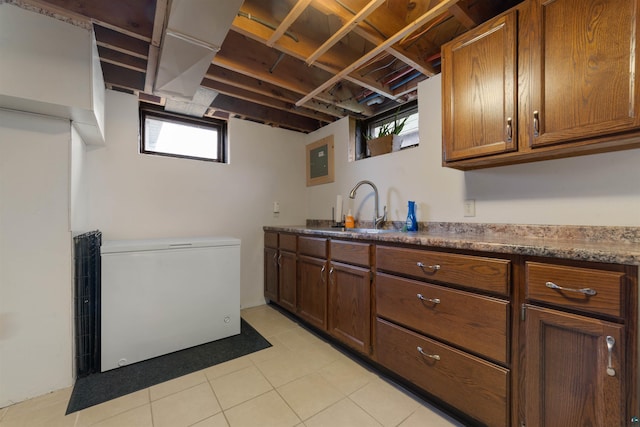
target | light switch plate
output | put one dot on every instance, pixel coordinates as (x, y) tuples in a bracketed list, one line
[(276, 207)]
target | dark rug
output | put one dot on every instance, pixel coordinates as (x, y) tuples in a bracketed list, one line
[(101, 387)]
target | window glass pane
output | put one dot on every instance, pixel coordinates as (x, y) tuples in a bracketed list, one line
[(180, 139), (410, 131), (410, 134)]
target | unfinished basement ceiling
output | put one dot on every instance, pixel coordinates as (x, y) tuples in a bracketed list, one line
[(294, 64)]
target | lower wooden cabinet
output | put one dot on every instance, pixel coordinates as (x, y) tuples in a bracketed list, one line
[(505, 340), (579, 349), (471, 384), (271, 274), (350, 305), (572, 378), (312, 292), (287, 280)]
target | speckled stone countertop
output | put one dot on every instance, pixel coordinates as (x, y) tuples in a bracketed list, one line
[(618, 245)]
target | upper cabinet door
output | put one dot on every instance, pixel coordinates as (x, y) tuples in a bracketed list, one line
[(480, 90), (583, 69)]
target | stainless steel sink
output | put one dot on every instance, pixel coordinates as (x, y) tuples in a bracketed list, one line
[(364, 230)]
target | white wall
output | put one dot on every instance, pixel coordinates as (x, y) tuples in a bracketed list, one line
[(600, 189), (79, 186), (136, 195), (35, 256)]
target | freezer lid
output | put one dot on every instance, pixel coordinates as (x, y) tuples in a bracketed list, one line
[(119, 246)]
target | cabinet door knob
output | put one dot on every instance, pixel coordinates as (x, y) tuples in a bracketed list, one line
[(509, 130), (324, 268), (536, 123), (432, 356)]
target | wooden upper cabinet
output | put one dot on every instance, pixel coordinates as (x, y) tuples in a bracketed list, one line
[(583, 66), (480, 91)]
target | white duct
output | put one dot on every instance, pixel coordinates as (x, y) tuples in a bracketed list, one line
[(195, 31)]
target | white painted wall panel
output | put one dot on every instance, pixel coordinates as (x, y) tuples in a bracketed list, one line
[(600, 189), (35, 256)]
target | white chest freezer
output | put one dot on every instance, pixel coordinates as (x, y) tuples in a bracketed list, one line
[(164, 295)]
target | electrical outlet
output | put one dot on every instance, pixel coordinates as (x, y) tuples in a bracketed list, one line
[(276, 207), (470, 208)]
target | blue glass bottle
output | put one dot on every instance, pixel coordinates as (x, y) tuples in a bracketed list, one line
[(412, 222)]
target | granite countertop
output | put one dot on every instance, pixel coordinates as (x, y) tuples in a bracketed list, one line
[(618, 245)]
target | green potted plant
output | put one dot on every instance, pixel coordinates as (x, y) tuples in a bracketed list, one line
[(387, 134)]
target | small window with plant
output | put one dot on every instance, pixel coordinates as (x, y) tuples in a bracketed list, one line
[(391, 131)]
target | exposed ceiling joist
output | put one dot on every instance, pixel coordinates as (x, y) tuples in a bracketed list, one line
[(295, 64), (425, 18), (295, 12)]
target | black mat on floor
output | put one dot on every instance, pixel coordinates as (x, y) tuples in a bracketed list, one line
[(97, 388)]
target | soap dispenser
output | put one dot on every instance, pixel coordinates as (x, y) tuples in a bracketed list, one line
[(349, 221), (412, 222)]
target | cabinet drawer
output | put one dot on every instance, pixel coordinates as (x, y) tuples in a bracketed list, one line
[(271, 240), (474, 322), (488, 274), (313, 246), (606, 288), (351, 252), (288, 242), (476, 387)]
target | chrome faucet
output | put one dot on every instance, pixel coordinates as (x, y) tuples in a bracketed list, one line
[(376, 218)]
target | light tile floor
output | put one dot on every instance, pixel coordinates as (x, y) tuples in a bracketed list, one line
[(300, 381)]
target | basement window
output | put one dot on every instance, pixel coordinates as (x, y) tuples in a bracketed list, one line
[(174, 135), (409, 134)]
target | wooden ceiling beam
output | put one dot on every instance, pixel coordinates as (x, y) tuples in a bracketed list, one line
[(333, 61), (428, 16), (125, 16), (121, 42), (344, 30), (295, 12), (245, 56), (376, 32), (223, 75), (123, 60), (122, 77), (264, 114), (462, 14), (247, 95)]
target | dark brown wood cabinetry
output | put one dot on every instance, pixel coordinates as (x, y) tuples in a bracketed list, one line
[(479, 110), (547, 79), (350, 294), (501, 339), (287, 272), (453, 343), (271, 266), (313, 272), (577, 366), (280, 265)]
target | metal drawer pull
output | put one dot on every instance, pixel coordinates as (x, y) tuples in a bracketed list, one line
[(536, 123), (434, 267), (324, 268), (433, 300), (610, 342), (279, 260), (509, 130), (432, 356), (585, 291)]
